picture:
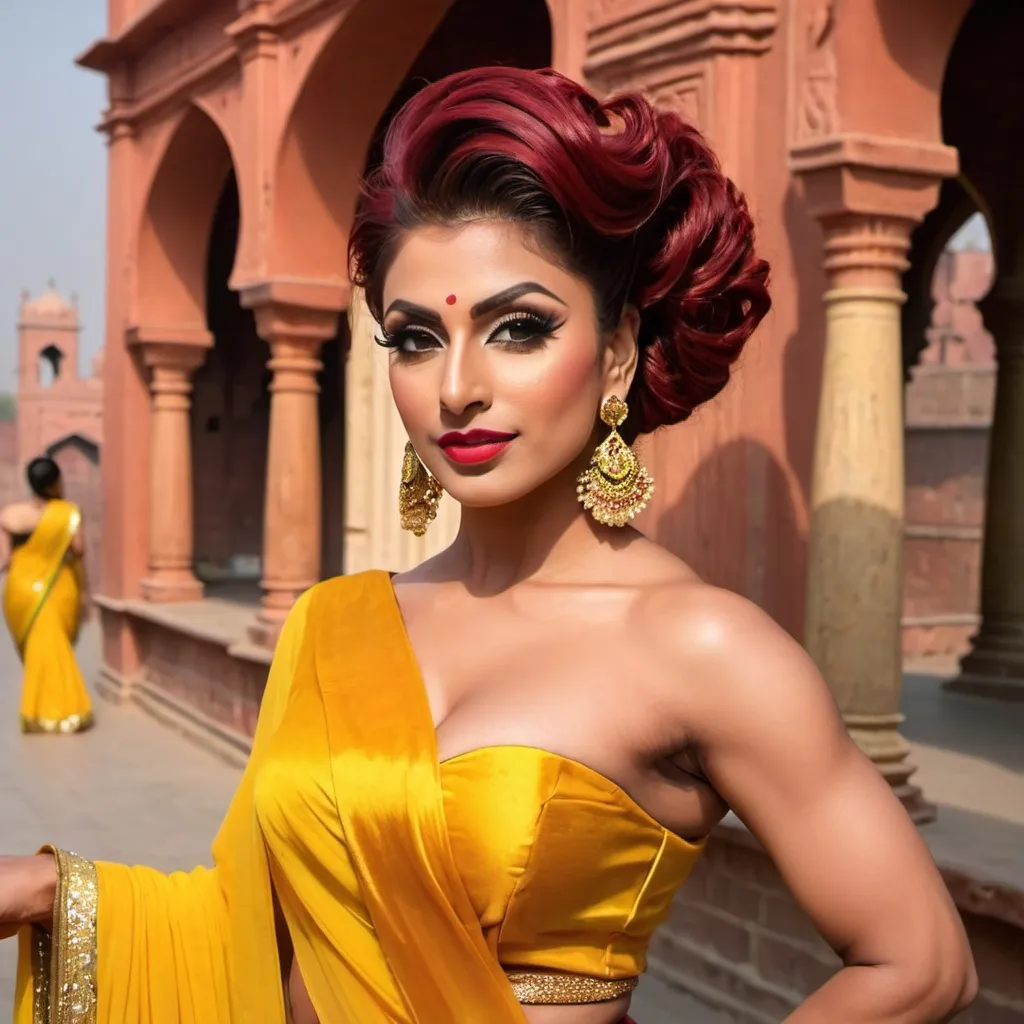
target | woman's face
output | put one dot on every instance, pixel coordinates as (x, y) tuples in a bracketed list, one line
[(498, 367)]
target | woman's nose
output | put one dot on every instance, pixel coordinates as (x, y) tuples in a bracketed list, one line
[(466, 382)]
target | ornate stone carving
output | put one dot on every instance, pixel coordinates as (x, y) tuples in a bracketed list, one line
[(687, 97), (817, 105), (637, 40)]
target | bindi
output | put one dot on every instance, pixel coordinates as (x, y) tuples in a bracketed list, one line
[(451, 300)]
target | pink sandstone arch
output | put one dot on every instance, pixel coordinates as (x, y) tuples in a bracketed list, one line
[(918, 36), (332, 124), (176, 221)]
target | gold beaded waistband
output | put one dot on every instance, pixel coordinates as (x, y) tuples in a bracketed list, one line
[(543, 988)]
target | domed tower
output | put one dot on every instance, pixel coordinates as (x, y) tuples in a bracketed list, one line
[(48, 337)]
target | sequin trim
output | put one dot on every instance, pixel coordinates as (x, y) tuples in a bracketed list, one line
[(543, 988), (64, 961), (73, 723)]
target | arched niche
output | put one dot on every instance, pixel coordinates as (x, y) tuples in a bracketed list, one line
[(176, 223), (379, 56)]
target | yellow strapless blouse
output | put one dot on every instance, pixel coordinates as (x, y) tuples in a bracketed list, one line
[(563, 869)]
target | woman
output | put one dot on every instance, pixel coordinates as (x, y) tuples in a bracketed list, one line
[(474, 787), (43, 602)]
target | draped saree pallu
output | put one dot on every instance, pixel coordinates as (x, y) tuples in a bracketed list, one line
[(42, 607), (414, 892)]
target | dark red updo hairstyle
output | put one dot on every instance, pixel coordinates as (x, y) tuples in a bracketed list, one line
[(626, 196)]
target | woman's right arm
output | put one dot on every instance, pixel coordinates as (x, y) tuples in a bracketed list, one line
[(28, 887), (155, 947)]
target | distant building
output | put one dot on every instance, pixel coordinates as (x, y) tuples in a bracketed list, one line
[(59, 413), (54, 402), (949, 404)]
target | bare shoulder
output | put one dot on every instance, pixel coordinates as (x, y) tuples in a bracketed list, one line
[(19, 517), (731, 664)]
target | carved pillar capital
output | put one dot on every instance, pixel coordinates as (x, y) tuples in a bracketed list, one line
[(297, 307), (255, 30), (866, 251), (183, 346), (871, 190)]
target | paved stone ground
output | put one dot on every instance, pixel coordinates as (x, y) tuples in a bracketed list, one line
[(132, 791), (129, 790)]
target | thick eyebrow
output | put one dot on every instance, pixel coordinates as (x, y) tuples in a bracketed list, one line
[(421, 313), (517, 291), (481, 309)]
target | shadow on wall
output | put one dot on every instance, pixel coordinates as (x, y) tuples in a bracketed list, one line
[(739, 528), (857, 609), (805, 347)]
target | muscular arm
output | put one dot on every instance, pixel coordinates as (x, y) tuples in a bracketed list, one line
[(776, 749)]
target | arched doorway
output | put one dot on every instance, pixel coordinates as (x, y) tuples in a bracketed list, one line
[(230, 420), (473, 35), (983, 116), (951, 375), (188, 204)]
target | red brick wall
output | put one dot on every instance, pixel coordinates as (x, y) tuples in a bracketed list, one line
[(737, 939), (202, 675)]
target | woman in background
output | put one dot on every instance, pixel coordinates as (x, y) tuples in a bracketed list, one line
[(44, 596)]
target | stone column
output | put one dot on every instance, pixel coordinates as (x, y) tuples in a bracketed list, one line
[(995, 665), (867, 211), (855, 564), (170, 575), (292, 505)]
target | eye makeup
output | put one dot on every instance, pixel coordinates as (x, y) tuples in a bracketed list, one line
[(523, 329)]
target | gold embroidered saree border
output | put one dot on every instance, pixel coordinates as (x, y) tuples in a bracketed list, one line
[(556, 988), (64, 962), (64, 726)]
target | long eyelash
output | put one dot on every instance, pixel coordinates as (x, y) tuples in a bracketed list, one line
[(545, 323), (393, 339)]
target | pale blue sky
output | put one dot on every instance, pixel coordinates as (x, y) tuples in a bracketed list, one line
[(52, 164)]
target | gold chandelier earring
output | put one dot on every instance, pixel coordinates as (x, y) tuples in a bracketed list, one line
[(418, 494), (614, 487)]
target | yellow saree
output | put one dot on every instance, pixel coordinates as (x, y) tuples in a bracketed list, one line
[(358, 856), (42, 607)]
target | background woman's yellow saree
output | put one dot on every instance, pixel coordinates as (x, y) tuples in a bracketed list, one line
[(341, 806), (42, 607)]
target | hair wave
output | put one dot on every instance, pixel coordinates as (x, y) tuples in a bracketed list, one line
[(626, 195)]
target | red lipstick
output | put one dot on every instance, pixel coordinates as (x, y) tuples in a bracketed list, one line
[(472, 447)]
